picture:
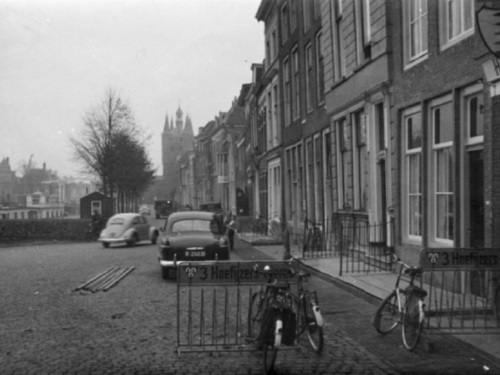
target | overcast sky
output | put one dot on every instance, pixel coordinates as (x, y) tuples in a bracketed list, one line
[(58, 57)]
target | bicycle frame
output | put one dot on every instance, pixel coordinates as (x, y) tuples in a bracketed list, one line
[(410, 313)]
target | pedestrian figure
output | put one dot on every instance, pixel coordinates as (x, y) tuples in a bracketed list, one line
[(96, 224), (231, 229)]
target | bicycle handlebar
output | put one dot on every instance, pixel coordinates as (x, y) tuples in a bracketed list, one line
[(268, 271), (407, 269)]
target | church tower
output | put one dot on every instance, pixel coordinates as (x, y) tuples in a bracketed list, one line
[(175, 140)]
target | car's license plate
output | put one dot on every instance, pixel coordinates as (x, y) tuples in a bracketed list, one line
[(195, 253)]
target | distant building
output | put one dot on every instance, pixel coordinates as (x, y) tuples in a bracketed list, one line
[(96, 202), (8, 183), (176, 139), (39, 194)]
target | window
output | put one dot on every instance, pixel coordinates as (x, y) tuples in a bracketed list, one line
[(380, 126), (415, 30), (316, 9), (474, 118), (275, 114), (362, 30), (96, 206), (456, 21), (270, 125), (320, 68), (442, 169), (268, 53), (274, 45), (412, 172), (309, 77), (361, 166), (338, 42), (286, 89), (293, 15), (295, 84), (285, 28), (345, 173), (307, 14)]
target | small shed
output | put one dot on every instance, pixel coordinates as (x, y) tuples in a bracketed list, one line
[(96, 201)]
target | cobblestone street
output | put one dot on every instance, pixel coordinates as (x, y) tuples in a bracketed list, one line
[(48, 327)]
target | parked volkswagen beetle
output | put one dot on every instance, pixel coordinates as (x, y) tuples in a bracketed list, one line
[(128, 228)]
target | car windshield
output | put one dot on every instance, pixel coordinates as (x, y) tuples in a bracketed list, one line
[(117, 221), (189, 225)]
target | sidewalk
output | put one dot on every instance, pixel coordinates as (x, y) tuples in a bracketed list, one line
[(372, 287)]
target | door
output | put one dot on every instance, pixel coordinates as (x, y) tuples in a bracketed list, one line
[(475, 199), (475, 214)]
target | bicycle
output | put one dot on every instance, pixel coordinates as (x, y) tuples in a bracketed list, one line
[(403, 306), (275, 311), (314, 238), (259, 226)]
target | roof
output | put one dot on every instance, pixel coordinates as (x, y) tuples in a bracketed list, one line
[(184, 215)]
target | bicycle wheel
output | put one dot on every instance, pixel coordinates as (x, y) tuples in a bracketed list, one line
[(387, 316), (271, 349), (314, 323), (255, 314), (412, 324)]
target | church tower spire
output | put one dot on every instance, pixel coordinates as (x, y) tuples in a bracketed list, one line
[(166, 127), (178, 121), (188, 128)]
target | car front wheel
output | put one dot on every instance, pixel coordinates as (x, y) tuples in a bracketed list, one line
[(154, 239), (165, 273)]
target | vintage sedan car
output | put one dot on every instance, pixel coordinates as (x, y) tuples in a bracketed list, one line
[(144, 210), (128, 228), (191, 235)]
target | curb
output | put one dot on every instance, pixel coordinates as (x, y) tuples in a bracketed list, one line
[(354, 290)]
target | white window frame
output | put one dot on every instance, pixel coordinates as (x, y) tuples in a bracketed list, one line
[(420, 23), (306, 14), (434, 149), (444, 21), (357, 162), (474, 91), (320, 69), (295, 84), (285, 22), (308, 56), (96, 205), (408, 153), (339, 65), (286, 89), (274, 189)]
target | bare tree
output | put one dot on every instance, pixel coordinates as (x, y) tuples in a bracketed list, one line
[(110, 144)]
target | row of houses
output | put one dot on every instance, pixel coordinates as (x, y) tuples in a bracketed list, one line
[(382, 111), (39, 194)]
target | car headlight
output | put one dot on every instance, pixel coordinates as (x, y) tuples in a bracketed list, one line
[(165, 242), (223, 242)]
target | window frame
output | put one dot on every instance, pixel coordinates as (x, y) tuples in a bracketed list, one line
[(320, 69), (286, 91), (422, 21), (436, 147), (309, 69), (444, 22), (408, 155), (285, 22), (339, 64), (295, 84)]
